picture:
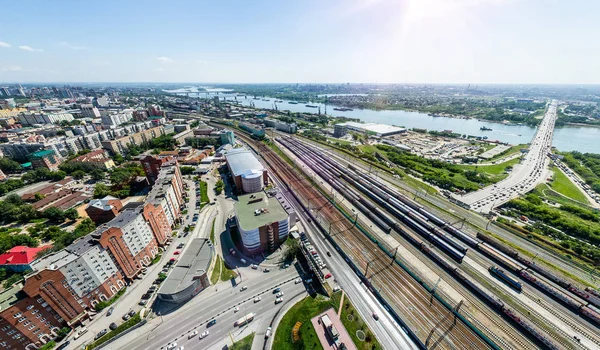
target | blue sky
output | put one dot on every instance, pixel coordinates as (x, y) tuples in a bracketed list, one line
[(380, 41)]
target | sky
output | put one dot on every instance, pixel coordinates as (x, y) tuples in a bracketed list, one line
[(301, 41)]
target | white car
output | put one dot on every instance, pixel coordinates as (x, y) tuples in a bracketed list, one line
[(171, 345), (257, 299), (204, 335), (298, 280), (280, 294), (278, 300), (181, 348), (193, 334), (236, 309), (243, 288)]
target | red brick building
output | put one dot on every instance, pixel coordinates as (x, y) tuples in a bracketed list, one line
[(103, 210), (158, 221), (26, 321)]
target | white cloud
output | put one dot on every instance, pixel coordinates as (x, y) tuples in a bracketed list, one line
[(72, 47), (13, 68), (165, 59), (160, 69), (201, 61), (101, 63), (3, 44), (29, 48)]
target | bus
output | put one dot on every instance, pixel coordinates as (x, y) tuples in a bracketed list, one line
[(242, 321)]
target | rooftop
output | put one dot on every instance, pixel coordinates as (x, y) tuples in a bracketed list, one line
[(241, 160), (195, 261), (247, 207), (21, 255), (103, 203), (11, 296), (54, 260), (381, 129), (42, 153)]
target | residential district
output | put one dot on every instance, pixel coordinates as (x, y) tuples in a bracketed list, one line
[(141, 218)]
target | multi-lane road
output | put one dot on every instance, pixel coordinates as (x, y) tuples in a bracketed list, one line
[(525, 176)]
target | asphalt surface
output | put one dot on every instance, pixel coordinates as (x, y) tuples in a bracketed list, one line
[(217, 303), (525, 176)]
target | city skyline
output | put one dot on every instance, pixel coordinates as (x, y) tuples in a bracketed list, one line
[(374, 41)]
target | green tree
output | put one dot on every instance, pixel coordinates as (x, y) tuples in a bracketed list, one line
[(97, 174), (9, 166), (38, 196), (71, 214), (78, 174), (54, 215), (101, 190), (187, 170)]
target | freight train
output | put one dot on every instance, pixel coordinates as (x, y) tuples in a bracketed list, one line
[(485, 295), (494, 270)]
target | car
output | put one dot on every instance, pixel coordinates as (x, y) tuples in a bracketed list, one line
[(236, 309), (181, 245), (298, 280), (280, 294), (327, 276), (266, 269), (113, 326), (278, 300), (254, 266), (63, 345), (193, 334), (177, 252), (151, 289), (204, 334), (375, 316), (181, 348), (243, 288), (336, 288), (276, 290), (110, 311), (80, 333), (146, 296), (211, 323), (171, 345), (131, 313), (143, 302), (328, 253), (268, 333), (101, 334), (156, 281), (257, 299), (126, 317)]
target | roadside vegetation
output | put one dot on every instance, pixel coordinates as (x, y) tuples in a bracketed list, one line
[(120, 329), (572, 228), (221, 272), (203, 194), (104, 304), (244, 343), (563, 185), (309, 307), (586, 165)]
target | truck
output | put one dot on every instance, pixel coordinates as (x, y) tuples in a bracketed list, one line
[(333, 332), (244, 320)]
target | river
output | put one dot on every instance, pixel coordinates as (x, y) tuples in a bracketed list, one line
[(566, 138)]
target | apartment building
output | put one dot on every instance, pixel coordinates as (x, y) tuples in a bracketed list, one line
[(120, 145)]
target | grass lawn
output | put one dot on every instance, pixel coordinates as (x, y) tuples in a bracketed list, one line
[(370, 342), (514, 149), (492, 170), (203, 194), (212, 232), (243, 344), (563, 185), (221, 270), (369, 149), (307, 309), (419, 184), (341, 142)]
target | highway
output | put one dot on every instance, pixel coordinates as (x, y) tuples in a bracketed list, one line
[(524, 177), (217, 302)]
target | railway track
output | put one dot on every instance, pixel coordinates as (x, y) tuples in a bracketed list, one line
[(406, 295), (556, 333), (503, 333)]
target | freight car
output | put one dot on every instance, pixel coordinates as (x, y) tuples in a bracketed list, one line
[(494, 270)]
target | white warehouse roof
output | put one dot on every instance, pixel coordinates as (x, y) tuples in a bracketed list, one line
[(379, 129), (242, 162)]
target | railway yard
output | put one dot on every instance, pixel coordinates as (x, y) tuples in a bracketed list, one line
[(447, 287)]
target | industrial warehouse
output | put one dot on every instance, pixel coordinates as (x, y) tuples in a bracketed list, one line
[(375, 128)]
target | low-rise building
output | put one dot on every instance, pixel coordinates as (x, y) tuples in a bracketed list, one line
[(45, 159), (19, 258), (103, 210), (248, 173), (262, 222), (189, 276), (96, 159)]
